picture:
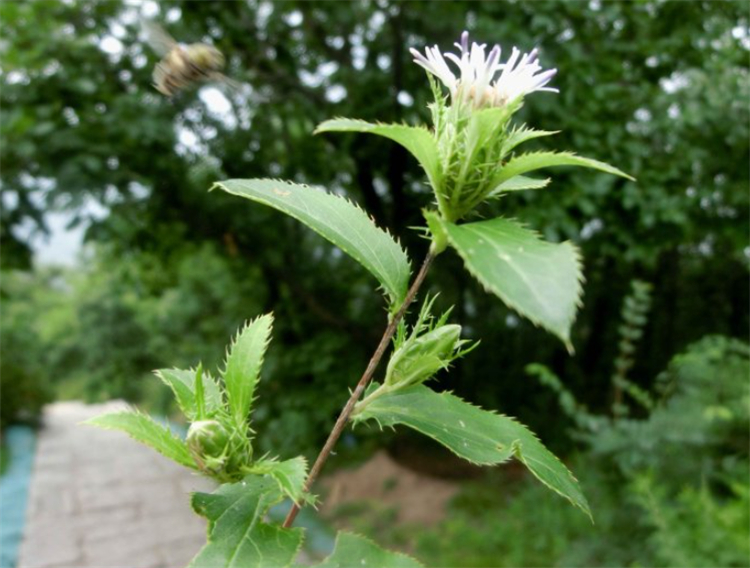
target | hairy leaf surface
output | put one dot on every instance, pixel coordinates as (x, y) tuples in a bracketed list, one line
[(183, 385), (474, 434), (147, 431), (540, 280), (338, 220), (537, 160), (416, 139), (243, 365), (354, 550), (237, 535)]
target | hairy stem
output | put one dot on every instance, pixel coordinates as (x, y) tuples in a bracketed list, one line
[(343, 418)]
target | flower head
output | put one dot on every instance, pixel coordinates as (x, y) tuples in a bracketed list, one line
[(483, 80)]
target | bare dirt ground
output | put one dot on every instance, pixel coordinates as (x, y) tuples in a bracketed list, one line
[(381, 481)]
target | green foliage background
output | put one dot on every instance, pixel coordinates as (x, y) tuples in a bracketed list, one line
[(176, 270), (658, 88)]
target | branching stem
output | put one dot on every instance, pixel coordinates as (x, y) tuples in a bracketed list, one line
[(343, 418)]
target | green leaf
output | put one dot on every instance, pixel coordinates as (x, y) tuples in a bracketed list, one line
[(147, 431), (476, 435), (416, 139), (523, 134), (540, 280), (354, 550), (183, 384), (338, 220), (237, 535), (537, 160), (242, 370), (289, 474), (519, 183)]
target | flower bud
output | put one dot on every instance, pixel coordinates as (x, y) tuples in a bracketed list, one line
[(207, 441), (419, 358)]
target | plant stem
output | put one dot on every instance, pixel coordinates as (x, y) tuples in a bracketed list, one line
[(343, 418)]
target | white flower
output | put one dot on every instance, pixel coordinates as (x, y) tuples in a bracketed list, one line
[(477, 83)]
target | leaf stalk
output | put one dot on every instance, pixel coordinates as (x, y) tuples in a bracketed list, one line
[(346, 413)]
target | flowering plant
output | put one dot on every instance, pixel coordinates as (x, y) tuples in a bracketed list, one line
[(469, 157)]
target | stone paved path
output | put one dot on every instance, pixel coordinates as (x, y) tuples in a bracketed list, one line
[(98, 499)]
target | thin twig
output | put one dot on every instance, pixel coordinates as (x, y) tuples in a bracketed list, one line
[(343, 418)]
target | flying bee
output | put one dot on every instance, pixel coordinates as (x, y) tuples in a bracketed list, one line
[(183, 65)]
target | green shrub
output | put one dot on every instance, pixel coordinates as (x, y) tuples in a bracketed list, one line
[(697, 528), (24, 380)]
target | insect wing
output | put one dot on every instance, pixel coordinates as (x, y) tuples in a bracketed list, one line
[(159, 40), (231, 84)]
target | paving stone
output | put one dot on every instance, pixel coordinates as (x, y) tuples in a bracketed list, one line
[(101, 500), (50, 546), (122, 554), (180, 552)]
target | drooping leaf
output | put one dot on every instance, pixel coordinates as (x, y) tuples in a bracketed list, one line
[(353, 550), (474, 434), (537, 160), (147, 431), (519, 183), (244, 361), (237, 535), (540, 280), (416, 139), (338, 220), (183, 384), (289, 474)]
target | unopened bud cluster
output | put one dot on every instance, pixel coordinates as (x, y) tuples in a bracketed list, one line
[(419, 358), (216, 451)]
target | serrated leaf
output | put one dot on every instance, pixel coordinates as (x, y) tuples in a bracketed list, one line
[(540, 280), (183, 385), (244, 361), (523, 134), (237, 535), (417, 140), (474, 434), (537, 160), (290, 475), (147, 431), (338, 220), (519, 183), (354, 550)]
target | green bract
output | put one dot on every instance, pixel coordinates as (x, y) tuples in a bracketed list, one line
[(208, 442), (430, 346), (417, 360)]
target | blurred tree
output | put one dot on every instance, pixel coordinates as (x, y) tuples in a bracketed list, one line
[(658, 88)]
